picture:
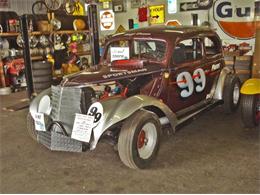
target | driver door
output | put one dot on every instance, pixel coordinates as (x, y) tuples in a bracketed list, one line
[(188, 75)]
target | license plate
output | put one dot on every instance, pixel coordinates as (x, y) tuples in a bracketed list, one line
[(82, 127), (39, 122)]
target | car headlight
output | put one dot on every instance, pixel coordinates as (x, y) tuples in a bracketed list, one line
[(45, 105)]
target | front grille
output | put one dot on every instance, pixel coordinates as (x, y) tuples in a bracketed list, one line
[(65, 103)]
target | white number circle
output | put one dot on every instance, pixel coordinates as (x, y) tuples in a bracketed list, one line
[(96, 110)]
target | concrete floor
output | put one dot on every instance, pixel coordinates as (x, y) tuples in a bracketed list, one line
[(213, 154)]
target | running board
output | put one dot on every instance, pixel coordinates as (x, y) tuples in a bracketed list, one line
[(204, 108)]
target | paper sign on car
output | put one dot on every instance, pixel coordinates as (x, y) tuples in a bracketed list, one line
[(82, 127), (119, 53), (39, 122)]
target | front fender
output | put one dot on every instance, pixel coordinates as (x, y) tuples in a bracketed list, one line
[(218, 95), (118, 109), (251, 87)]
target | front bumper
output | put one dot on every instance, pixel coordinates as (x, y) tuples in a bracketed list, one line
[(58, 142)]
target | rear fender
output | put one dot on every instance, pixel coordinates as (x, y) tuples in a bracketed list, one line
[(118, 109), (218, 95)]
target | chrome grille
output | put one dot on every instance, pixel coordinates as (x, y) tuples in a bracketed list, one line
[(66, 101)]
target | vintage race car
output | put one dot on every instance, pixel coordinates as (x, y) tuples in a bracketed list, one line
[(147, 78)]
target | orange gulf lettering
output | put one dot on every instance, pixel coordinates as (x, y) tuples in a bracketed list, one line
[(242, 30)]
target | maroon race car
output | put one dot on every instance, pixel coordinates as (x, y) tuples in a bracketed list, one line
[(147, 78)]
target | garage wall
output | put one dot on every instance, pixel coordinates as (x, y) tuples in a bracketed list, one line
[(186, 19)]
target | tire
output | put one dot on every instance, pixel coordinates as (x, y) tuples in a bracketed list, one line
[(231, 93), (39, 65), (42, 72), (249, 110), (42, 85), (133, 151), (31, 128), (40, 79)]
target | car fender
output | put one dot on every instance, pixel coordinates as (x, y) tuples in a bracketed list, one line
[(118, 109), (218, 95), (251, 87)]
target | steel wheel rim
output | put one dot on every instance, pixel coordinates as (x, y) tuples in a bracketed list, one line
[(236, 94), (149, 140)]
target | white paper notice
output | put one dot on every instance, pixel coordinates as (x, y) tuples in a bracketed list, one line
[(82, 127), (119, 53), (39, 122)]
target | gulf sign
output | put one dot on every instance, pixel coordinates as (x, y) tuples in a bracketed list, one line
[(236, 17)]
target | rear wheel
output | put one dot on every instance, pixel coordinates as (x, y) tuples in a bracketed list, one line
[(138, 141), (250, 110), (231, 93), (31, 128)]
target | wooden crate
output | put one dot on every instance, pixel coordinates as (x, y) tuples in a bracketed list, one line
[(243, 67), (229, 61)]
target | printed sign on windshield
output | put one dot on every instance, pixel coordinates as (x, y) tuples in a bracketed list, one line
[(119, 53)]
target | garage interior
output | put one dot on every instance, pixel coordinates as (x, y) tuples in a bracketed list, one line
[(213, 152)]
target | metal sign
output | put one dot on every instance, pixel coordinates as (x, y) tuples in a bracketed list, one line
[(235, 18), (107, 20), (157, 14), (189, 6), (120, 29)]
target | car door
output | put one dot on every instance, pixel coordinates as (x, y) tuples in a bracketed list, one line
[(188, 83)]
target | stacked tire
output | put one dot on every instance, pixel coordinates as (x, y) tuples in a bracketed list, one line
[(41, 75)]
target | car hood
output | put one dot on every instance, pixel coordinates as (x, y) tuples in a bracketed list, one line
[(106, 74)]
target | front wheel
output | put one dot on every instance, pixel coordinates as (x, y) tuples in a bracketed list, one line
[(138, 141), (231, 93), (250, 110)]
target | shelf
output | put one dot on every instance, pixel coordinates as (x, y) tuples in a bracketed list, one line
[(9, 34), (14, 34)]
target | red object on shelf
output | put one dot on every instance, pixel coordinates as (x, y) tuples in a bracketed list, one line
[(142, 13)]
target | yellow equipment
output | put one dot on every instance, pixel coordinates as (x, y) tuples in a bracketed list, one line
[(251, 87)]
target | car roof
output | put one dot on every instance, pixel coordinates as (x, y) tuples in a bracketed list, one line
[(165, 32)]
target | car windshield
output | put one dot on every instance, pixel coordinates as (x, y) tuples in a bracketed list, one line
[(153, 50)]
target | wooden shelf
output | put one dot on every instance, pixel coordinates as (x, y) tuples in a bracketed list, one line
[(9, 34), (14, 34)]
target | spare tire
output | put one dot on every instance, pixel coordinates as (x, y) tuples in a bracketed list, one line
[(41, 75)]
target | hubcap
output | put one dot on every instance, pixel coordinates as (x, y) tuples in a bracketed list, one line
[(236, 94), (147, 139), (141, 139)]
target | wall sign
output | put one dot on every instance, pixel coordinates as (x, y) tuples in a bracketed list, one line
[(235, 18), (189, 6), (119, 5), (172, 6), (107, 20), (157, 14), (120, 29)]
